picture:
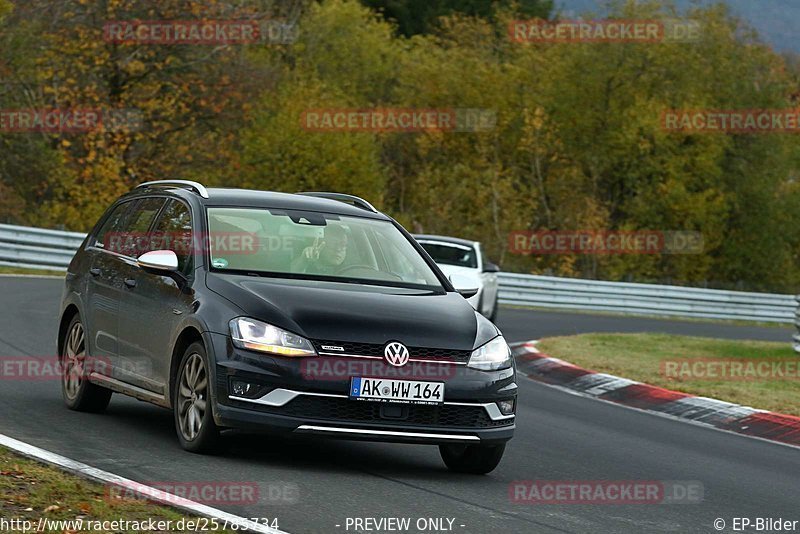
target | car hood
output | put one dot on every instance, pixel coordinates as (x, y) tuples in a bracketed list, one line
[(333, 311)]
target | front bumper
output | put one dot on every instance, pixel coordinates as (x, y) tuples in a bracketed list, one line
[(290, 400)]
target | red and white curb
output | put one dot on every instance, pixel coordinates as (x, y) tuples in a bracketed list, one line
[(716, 413), (234, 522)]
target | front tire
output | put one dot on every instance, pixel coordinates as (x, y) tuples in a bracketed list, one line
[(191, 403), (472, 459), (79, 394)]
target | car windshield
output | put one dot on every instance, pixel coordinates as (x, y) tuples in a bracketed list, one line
[(451, 254), (302, 244)]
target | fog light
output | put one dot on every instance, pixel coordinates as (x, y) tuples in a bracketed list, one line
[(243, 389), (506, 406)]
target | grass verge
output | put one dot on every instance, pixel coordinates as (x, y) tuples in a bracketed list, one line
[(30, 490), (18, 270), (672, 318), (676, 363)]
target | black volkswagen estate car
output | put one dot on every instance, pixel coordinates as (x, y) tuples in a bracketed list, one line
[(308, 313)]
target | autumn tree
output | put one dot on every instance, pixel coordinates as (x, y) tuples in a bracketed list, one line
[(575, 139)]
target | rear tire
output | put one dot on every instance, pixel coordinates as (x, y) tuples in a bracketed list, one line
[(472, 459), (79, 394), (191, 403)]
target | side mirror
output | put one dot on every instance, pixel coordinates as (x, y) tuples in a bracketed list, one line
[(464, 285), (490, 268), (165, 261)]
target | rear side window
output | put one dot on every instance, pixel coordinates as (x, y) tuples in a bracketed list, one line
[(130, 235), (113, 224), (143, 215), (173, 231)]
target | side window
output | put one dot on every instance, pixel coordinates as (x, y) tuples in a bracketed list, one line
[(133, 239), (112, 226), (173, 231)]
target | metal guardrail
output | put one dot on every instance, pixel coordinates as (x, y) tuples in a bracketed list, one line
[(644, 299), (36, 248)]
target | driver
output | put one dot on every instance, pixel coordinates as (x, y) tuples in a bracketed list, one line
[(326, 255)]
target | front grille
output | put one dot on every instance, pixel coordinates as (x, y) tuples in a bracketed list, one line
[(374, 349), (345, 410)]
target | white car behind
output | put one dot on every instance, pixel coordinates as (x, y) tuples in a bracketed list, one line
[(465, 258)]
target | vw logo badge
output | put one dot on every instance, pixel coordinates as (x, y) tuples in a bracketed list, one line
[(396, 354)]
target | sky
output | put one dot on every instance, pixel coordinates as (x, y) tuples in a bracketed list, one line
[(777, 21)]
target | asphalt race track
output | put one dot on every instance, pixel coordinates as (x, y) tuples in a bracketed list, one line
[(559, 437), (524, 325)]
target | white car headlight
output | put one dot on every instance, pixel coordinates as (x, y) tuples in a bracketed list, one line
[(492, 356), (256, 335)]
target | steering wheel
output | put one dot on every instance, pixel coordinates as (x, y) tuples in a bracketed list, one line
[(365, 267)]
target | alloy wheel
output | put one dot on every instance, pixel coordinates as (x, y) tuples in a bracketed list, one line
[(74, 361), (192, 396)]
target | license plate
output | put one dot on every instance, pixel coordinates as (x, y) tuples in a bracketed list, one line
[(401, 391)]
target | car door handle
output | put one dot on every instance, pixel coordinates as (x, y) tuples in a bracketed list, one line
[(95, 271), (130, 282)]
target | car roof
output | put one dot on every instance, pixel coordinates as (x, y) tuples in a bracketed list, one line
[(251, 198), (445, 239)]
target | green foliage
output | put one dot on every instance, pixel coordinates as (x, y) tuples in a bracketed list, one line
[(279, 155), (578, 142), (421, 16)]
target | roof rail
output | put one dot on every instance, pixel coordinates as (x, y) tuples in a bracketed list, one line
[(341, 197), (198, 188)]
